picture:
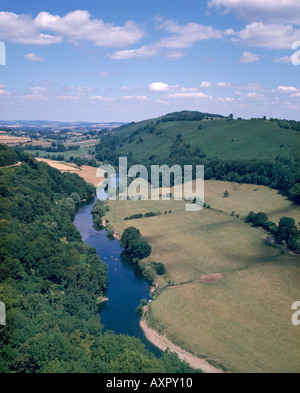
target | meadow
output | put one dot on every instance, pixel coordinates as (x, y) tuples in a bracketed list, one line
[(226, 294)]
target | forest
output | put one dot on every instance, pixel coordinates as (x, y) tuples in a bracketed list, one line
[(50, 280)]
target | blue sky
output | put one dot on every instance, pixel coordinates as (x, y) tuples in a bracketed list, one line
[(129, 60)]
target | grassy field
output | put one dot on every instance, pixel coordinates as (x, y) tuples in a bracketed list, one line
[(246, 197), (227, 140), (81, 152), (226, 294), (243, 321), (13, 140)]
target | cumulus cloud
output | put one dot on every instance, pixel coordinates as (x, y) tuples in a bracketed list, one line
[(183, 36), (138, 98), (74, 26), (3, 91), (225, 85), (33, 57), (271, 11), (241, 86), (273, 36), (283, 60), (188, 95), (38, 90), (287, 89), (158, 86), (205, 85), (248, 57)]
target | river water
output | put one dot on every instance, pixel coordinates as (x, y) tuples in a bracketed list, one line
[(126, 286)]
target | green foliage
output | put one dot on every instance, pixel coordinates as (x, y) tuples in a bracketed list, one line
[(52, 324), (110, 233), (136, 247), (99, 210), (286, 231), (159, 268), (8, 156), (50, 281)]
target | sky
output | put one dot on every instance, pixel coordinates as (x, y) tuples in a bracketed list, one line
[(130, 60)]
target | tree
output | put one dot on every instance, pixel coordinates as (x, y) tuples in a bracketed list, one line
[(160, 268), (226, 194), (130, 234), (286, 229)]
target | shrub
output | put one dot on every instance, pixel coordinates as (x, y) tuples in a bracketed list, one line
[(159, 268)]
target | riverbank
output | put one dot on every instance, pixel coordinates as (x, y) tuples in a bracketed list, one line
[(163, 343)]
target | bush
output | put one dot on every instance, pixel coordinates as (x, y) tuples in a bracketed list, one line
[(159, 268)]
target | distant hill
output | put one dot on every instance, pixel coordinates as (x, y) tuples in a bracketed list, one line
[(266, 150)]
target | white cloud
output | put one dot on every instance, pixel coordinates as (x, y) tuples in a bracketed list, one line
[(248, 57), (274, 11), (240, 86), (205, 85), (38, 90), (273, 36), (22, 29), (287, 89), (144, 51), (188, 95), (295, 95), (183, 36), (3, 91), (158, 86), (68, 98), (227, 99), (79, 25), (283, 60), (100, 98), (254, 95), (138, 98), (74, 26), (33, 57), (225, 84)]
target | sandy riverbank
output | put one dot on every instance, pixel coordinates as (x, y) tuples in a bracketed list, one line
[(163, 343)]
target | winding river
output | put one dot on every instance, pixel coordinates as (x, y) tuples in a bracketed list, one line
[(126, 286)]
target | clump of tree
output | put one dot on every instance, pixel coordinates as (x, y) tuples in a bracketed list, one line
[(8, 156), (99, 210), (159, 268), (140, 308), (286, 231), (134, 245), (134, 216)]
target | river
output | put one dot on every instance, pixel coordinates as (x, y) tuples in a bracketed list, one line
[(126, 286)]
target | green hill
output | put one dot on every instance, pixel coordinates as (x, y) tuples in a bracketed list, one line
[(219, 137), (252, 151)]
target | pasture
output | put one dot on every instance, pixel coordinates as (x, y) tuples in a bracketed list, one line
[(226, 295)]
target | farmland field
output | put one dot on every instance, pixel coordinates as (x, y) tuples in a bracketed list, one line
[(226, 295), (87, 172)]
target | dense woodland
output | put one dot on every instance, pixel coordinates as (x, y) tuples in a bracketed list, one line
[(50, 280)]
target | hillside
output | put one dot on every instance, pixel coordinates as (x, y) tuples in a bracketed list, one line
[(219, 137), (257, 151)]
